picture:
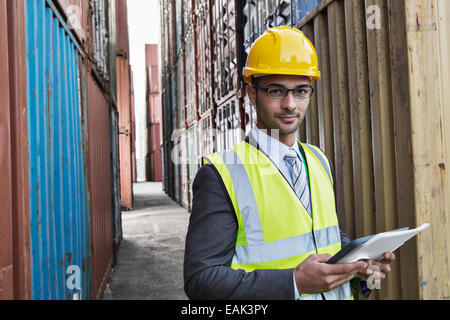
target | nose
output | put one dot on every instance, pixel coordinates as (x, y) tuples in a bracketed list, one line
[(289, 102)]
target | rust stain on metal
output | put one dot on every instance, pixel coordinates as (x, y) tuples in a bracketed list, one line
[(69, 257)]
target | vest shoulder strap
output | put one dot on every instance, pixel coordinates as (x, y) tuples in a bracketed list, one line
[(324, 161)]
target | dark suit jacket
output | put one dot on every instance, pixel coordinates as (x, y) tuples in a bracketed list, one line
[(210, 245)]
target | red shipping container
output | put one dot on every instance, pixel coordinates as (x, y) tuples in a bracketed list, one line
[(99, 173), (122, 37), (124, 109)]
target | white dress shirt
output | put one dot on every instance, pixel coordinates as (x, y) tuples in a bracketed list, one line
[(276, 151)]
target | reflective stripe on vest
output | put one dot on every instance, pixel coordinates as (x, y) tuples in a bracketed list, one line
[(274, 229)]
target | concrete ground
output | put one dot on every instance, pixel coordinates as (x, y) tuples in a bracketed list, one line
[(150, 257)]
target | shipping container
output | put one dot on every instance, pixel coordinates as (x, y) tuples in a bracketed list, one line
[(193, 159), (76, 15), (301, 8), (132, 130), (99, 169), (183, 166), (381, 62), (59, 208), (99, 40), (115, 176), (123, 107), (204, 61), (382, 66), (177, 179), (190, 77), (153, 158), (207, 134), (249, 117), (179, 23), (122, 36), (6, 188), (227, 50), (58, 195), (229, 124)]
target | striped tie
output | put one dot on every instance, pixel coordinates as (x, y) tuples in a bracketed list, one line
[(299, 179)]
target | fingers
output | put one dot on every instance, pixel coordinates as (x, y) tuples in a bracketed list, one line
[(388, 257), (320, 257), (349, 267)]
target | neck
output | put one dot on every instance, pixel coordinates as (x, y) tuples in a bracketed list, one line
[(286, 139)]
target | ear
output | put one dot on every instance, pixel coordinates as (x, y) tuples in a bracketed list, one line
[(251, 92)]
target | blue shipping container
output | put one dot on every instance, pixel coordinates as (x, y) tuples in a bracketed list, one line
[(59, 208), (300, 8)]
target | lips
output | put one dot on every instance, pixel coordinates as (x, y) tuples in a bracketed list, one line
[(288, 118)]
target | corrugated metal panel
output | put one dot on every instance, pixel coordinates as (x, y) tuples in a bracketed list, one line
[(301, 8), (123, 107), (226, 50), (132, 130), (99, 38), (99, 168), (387, 148), (192, 159), (204, 62), (154, 153), (76, 12), (19, 148), (181, 99), (221, 125), (112, 28), (207, 138), (6, 226), (190, 76), (249, 118), (115, 174), (179, 25), (177, 186), (184, 197), (59, 208), (122, 44)]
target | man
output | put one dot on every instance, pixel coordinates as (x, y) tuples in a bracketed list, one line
[(263, 221)]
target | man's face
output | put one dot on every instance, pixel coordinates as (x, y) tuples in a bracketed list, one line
[(283, 114)]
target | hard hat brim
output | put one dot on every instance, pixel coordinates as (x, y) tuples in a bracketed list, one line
[(249, 72)]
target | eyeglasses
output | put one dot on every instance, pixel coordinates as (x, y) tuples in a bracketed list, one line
[(280, 92)]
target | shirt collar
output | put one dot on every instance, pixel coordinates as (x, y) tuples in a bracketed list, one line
[(273, 148)]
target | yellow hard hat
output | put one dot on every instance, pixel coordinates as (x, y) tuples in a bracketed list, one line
[(282, 50)]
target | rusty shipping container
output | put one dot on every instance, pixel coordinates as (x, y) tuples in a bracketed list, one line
[(57, 230), (154, 138), (204, 57), (190, 77), (124, 110), (379, 113), (207, 134), (59, 208), (227, 48), (99, 169), (192, 160), (15, 272), (122, 36), (6, 189), (76, 14), (123, 77)]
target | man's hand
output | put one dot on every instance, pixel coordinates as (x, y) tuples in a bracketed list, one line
[(383, 267), (315, 276)]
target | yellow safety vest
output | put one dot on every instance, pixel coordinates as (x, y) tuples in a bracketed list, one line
[(274, 229)]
